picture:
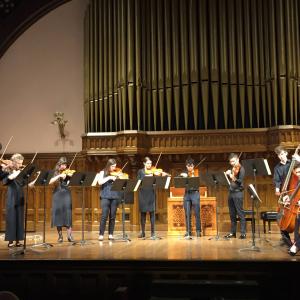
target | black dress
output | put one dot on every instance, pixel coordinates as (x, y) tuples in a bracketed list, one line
[(62, 205), (146, 195), (14, 230)]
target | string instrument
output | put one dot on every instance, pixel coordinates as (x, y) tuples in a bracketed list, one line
[(290, 211), (154, 171), (195, 171), (68, 171), (285, 185), (118, 172)]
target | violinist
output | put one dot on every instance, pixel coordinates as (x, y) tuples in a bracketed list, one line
[(109, 199), (62, 200), (280, 173), (14, 230), (235, 197), (147, 197), (191, 200), (294, 248)]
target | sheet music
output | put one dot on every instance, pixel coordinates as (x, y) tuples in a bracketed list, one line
[(137, 185), (253, 191), (267, 167), (167, 182)]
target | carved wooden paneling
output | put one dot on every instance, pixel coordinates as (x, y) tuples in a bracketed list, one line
[(176, 216), (188, 141)]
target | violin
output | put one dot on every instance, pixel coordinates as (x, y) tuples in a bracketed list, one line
[(193, 173), (236, 169), (119, 174), (68, 172), (154, 171)]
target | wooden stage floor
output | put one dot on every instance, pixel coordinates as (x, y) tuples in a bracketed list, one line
[(169, 268), (168, 248)]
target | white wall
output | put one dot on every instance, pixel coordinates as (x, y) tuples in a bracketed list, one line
[(41, 73)]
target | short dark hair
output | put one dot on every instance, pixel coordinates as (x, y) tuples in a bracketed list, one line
[(190, 161)]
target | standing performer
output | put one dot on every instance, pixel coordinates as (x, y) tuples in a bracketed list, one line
[(147, 196), (281, 171), (109, 199), (191, 199), (290, 218), (62, 200), (236, 195), (14, 230)]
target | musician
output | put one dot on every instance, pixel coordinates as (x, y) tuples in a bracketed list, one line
[(147, 197), (109, 199), (280, 173), (191, 200), (14, 230), (62, 200), (294, 248), (235, 197)]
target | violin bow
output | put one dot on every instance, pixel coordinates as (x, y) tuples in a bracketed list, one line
[(199, 163), (6, 147), (158, 160), (33, 157), (124, 166), (73, 160)]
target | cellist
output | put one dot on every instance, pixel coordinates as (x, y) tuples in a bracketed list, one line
[(280, 173), (293, 203)]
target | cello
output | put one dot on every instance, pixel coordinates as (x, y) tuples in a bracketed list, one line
[(290, 211)]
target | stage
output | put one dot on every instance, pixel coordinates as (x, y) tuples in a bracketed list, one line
[(169, 268)]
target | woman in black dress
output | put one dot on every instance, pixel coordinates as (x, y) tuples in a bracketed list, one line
[(61, 201), (14, 230)]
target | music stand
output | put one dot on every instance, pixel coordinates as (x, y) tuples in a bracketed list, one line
[(254, 197), (256, 167), (189, 183), (215, 180), (43, 179), (156, 182), (83, 179), (127, 187), (24, 176)]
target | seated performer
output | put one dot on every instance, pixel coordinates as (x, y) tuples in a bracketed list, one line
[(191, 200), (291, 216), (109, 199), (62, 200), (14, 230), (236, 195), (280, 173)]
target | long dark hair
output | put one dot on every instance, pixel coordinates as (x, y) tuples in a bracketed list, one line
[(109, 163)]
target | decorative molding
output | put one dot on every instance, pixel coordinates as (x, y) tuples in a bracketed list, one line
[(191, 141)]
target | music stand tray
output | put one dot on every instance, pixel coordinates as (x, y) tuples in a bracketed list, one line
[(83, 179)]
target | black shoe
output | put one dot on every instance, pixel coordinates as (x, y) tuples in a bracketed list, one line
[(70, 238), (242, 236), (198, 233), (60, 237), (141, 235), (230, 235), (187, 234)]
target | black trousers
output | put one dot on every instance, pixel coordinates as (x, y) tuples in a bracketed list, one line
[(235, 204), (109, 209)]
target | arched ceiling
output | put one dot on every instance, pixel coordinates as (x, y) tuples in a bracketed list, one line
[(18, 15)]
